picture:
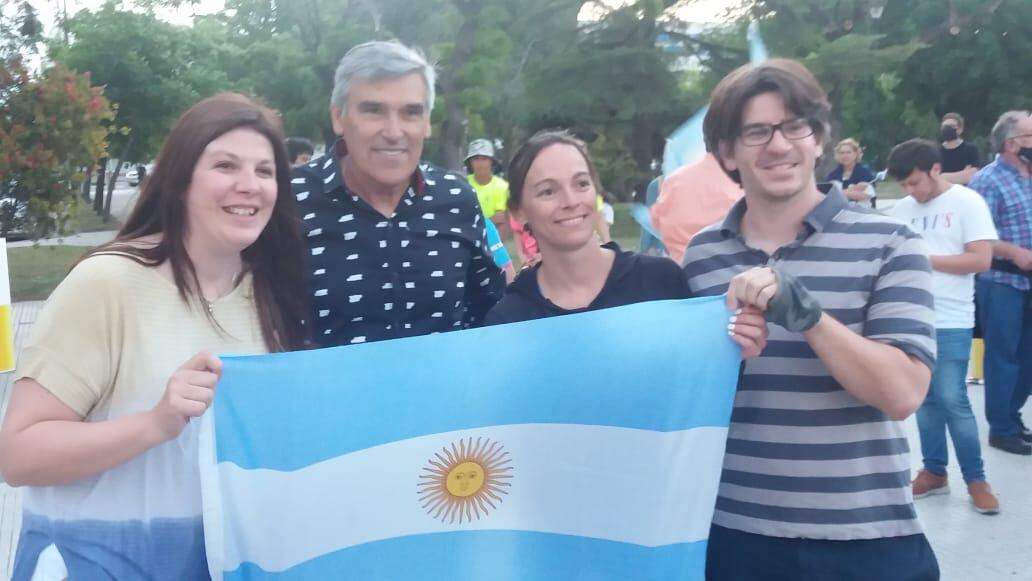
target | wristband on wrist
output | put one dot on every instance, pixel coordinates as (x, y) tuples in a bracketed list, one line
[(793, 307)]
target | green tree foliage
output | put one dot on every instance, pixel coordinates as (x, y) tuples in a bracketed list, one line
[(609, 71), (51, 125), (611, 79), (151, 71), (470, 65), (980, 68), (890, 78), (286, 53)]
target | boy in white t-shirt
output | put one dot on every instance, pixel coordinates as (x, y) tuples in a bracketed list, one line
[(958, 230)]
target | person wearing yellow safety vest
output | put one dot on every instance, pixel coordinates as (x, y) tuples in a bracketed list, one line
[(492, 191)]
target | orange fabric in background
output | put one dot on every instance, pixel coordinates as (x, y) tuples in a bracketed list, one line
[(691, 198)]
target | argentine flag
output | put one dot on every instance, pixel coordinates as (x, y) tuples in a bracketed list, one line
[(587, 446)]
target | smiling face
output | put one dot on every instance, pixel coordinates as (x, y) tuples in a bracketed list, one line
[(558, 199), (782, 168), (232, 192), (383, 124)]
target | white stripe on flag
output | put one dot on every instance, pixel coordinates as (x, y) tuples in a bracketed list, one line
[(628, 485)]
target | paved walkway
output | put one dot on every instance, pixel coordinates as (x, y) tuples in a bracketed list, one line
[(122, 201), (970, 546), (89, 239)]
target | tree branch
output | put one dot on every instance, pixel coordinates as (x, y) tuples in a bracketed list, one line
[(955, 20), (374, 13), (709, 46)]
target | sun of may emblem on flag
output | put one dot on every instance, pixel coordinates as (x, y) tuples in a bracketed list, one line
[(465, 480)]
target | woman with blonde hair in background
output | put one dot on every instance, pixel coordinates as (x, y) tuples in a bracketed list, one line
[(852, 175)]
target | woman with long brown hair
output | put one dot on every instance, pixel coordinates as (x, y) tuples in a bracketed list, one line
[(121, 357)]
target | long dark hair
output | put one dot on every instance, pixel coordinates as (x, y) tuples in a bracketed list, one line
[(276, 260), (524, 157)]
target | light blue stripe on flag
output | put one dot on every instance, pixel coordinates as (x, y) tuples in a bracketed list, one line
[(588, 443), (492, 555), (551, 370)]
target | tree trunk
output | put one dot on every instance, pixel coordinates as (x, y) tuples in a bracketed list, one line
[(643, 134), (453, 129), (827, 162), (98, 191), (114, 178), (86, 184)]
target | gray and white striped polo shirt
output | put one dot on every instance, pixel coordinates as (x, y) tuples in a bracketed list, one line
[(804, 457)]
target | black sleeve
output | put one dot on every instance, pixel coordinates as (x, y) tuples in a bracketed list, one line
[(496, 316), (972, 157), (667, 279), (513, 308)]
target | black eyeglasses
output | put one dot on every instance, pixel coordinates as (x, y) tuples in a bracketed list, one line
[(759, 134)]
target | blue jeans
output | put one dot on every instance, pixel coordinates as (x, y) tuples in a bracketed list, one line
[(1007, 325), (947, 406), (739, 556)]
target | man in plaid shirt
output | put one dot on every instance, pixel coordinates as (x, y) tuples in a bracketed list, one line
[(1003, 293)]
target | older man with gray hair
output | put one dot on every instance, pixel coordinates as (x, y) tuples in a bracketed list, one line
[(397, 245), (1003, 293)]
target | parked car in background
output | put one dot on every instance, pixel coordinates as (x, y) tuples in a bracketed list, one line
[(133, 175)]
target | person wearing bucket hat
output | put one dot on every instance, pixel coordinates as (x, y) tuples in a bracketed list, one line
[(492, 191)]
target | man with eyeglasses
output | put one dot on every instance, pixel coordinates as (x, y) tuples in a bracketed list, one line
[(816, 479), (1003, 293)]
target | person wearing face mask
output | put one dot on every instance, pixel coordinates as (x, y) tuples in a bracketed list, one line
[(959, 158), (1003, 293)]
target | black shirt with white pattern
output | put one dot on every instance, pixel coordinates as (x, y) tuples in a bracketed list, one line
[(425, 269)]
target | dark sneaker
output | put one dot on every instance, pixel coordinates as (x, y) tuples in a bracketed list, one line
[(1025, 433), (928, 483), (982, 498), (1011, 444)]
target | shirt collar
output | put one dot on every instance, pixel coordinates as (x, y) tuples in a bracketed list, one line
[(335, 171), (818, 218), (1008, 166)]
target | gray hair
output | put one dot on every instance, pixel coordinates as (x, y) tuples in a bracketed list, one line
[(1004, 129), (376, 60)]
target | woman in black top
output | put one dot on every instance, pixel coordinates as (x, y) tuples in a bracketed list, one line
[(552, 189)]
